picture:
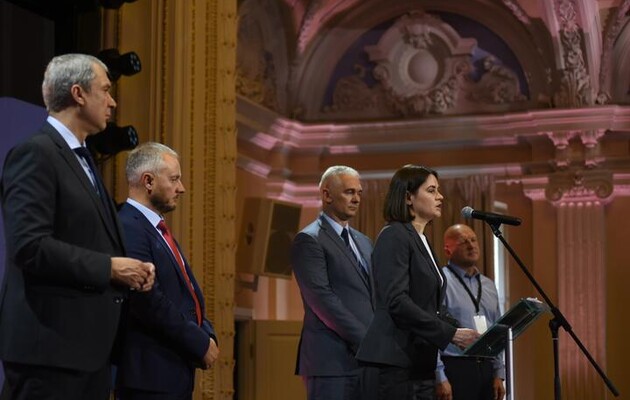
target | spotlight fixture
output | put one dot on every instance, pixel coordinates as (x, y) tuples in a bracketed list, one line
[(120, 64), (114, 4), (113, 139)]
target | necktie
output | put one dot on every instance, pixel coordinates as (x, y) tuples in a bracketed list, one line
[(97, 182), (346, 239), (180, 261), (344, 236)]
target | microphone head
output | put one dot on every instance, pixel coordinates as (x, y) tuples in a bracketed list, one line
[(467, 212)]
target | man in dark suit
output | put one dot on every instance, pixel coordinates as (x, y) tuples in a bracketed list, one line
[(331, 262), (66, 275), (167, 336)]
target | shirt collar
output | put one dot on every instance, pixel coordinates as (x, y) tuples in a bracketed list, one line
[(336, 225), (153, 217), (462, 272), (65, 133)]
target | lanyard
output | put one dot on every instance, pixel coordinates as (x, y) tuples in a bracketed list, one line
[(476, 301)]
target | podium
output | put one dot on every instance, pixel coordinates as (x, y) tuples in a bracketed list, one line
[(500, 336)]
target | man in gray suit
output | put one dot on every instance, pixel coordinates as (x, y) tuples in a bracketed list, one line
[(331, 262)]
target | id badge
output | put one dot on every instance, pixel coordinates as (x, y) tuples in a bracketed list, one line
[(481, 325)]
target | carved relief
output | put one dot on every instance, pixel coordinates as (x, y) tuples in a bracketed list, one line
[(255, 69), (575, 85), (498, 84), (614, 26), (579, 185), (353, 94), (423, 67), (589, 157), (421, 64), (517, 11)]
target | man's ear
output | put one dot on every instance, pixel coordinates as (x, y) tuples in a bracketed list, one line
[(447, 252), (77, 93), (326, 196), (147, 180)]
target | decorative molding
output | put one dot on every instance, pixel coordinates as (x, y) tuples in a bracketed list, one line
[(255, 71), (575, 185), (517, 11), (616, 22), (498, 84), (580, 185), (269, 130), (575, 83), (421, 63)]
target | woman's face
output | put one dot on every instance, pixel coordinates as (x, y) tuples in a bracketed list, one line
[(426, 203)]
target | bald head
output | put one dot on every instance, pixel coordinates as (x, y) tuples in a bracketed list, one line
[(461, 246)]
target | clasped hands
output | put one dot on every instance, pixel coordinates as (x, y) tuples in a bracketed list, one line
[(133, 273), (212, 354)]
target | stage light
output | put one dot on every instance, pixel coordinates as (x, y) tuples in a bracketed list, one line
[(113, 139), (114, 4), (120, 64)]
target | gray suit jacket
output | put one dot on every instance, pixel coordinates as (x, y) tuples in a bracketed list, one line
[(336, 297)]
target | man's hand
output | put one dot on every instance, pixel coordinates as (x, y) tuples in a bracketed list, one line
[(464, 337), (133, 273), (499, 390), (211, 355), (443, 391)]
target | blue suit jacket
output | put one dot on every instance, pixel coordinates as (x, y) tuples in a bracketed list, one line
[(162, 343), (336, 296)]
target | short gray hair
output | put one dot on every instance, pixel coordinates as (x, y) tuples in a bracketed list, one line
[(146, 158), (337, 170), (64, 71)]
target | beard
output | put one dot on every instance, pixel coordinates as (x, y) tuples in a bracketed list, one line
[(161, 205)]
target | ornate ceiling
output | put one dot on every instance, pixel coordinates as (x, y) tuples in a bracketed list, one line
[(518, 89)]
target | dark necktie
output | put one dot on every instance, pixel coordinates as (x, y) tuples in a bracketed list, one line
[(98, 183), (180, 261), (346, 239)]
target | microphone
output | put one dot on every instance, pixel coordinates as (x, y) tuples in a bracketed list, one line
[(492, 218)]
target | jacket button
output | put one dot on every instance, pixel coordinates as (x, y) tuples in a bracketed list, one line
[(118, 300)]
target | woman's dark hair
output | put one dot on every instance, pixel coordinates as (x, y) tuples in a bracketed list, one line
[(406, 180)]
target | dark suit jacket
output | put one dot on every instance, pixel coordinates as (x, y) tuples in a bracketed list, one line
[(336, 297), (406, 331), (162, 343), (58, 306)]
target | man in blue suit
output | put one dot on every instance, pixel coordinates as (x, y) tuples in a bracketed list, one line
[(167, 336), (331, 262)]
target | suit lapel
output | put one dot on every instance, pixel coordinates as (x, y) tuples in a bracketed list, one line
[(428, 260), (341, 245), (112, 226), (153, 232)]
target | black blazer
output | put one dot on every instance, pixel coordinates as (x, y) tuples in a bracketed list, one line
[(162, 343), (58, 306), (336, 297), (406, 331)]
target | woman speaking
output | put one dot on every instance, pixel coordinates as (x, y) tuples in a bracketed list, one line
[(403, 339)]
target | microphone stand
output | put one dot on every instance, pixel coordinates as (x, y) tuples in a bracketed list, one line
[(558, 321)]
